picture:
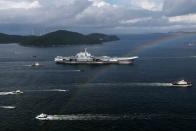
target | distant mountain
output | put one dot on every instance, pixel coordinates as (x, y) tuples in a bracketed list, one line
[(61, 37)]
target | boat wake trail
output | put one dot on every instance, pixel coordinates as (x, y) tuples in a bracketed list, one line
[(8, 107), (20, 92), (28, 65), (130, 84), (153, 84), (48, 90), (192, 56), (72, 70), (101, 117), (180, 57), (56, 70), (8, 93), (88, 117)]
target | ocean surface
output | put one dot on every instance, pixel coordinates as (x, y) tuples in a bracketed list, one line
[(134, 97)]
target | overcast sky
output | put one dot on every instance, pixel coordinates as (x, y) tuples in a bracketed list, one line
[(106, 16)]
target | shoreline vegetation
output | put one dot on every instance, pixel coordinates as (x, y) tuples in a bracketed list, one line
[(57, 38)]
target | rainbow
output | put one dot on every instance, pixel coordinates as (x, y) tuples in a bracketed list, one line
[(136, 50)]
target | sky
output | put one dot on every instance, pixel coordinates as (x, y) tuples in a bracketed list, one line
[(103, 16)]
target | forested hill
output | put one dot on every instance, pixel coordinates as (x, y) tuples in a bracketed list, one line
[(60, 37)]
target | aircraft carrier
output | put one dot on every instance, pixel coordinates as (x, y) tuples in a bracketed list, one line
[(86, 58)]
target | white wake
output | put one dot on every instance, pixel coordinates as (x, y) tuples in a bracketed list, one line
[(8, 93), (113, 117), (192, 56), (8, 107), (130, 84), (84, 117), (45, 90), (28, 65), (177, 57), (48, 90)]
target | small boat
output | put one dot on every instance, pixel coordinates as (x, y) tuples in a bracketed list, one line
[(42, 116), (191, 44), (182, 83), (35, 64), (17, 92)]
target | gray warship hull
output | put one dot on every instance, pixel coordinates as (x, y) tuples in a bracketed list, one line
[(87, 58), (94, 62)]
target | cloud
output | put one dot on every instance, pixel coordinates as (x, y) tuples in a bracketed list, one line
[(151, 5), (134, 21), (179, 7), (97, 15), (8, 4), (190, 18)]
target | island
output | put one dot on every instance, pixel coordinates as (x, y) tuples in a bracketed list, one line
[(60, 37)]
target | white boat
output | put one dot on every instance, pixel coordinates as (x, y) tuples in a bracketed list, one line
[(17, 92), (86, 58), (182, 83), (42, 116), (35, 64)]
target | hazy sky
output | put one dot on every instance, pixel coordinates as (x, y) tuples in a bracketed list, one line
[(107, 16)]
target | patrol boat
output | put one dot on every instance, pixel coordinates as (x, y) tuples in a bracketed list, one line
[(35, 64), (42, 116), (182, 83), (86, 58), (17, 92)]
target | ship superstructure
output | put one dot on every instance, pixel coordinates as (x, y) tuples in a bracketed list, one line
[(86, 58)]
